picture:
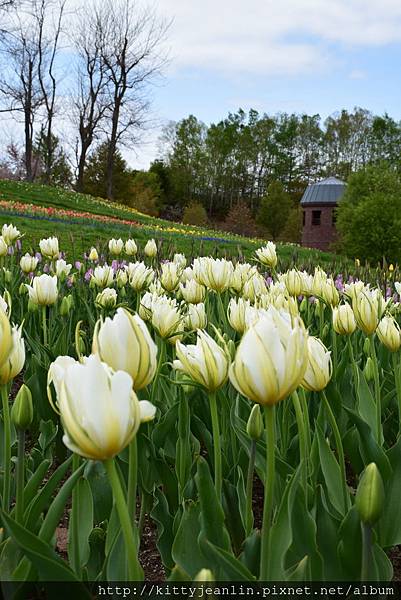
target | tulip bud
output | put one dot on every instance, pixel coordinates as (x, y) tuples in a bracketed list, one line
[(325, 331), (388, 332), (267, 255), (22, 409), (7, 276), (319, 369), (64, 307), (304, 304), (369, 370), (22, 289), (205, 575), (366, 347), (369, 499), (344, 320), (254, 427), (32, 306), (93, 254), (150, 249)]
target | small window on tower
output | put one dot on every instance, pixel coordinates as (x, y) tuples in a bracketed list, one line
[(303, 218), (316, 214)]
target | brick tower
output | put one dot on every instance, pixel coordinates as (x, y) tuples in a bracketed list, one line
[(318, 207)]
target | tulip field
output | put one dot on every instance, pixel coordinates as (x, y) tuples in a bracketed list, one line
[(248, 415)]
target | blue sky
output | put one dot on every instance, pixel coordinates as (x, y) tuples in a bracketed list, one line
[(313, 56)]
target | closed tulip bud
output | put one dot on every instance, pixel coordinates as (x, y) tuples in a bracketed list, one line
[(32, 306), (16, 358), (8, 277), (369, 499), (254, 288), (93, 254), (62, 270), (22, 289), (205, 363), (391, 268), (10, 234), (3, 247), (369, 370), (28, 263), (366, 347), (330, 293), (49, 248), (145, 306), (167, 318), (293, 282), (139, 276), (130, 248), (64, 307), (43, 290), (196, 317), (180, 261), (254, 426), (319, 369), (344, 320), (22, 409), (150, 249), (388, 332), (99, 409), (236, 312), (214, 273), (116, 246), (103, 276), (107, 298), (205, 576), (124, 343), (357, 262), (368, 307), (121, 278), (271, 358), (325, 331), (267, 255), (6, 338), (170, 276), (193, 292)]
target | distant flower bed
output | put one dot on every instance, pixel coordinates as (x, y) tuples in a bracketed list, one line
[(16, 208)]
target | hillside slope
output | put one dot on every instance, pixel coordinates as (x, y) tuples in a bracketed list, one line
[(81, 221)]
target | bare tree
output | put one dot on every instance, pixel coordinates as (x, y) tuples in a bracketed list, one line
[(48, 16), (90, 99), (131, 51), (20, 90)]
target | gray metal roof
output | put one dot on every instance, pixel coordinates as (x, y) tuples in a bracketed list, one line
[(326, 191)]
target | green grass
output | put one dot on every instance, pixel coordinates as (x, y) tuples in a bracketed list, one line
[(77, 238)]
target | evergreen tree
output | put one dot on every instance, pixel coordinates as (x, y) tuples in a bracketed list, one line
[(275, 208)]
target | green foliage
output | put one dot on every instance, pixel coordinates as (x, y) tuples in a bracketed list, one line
[(369, 215), (146, 193), (195, 214), (60, 172), (240, 220), (95, 176), (275, 209)]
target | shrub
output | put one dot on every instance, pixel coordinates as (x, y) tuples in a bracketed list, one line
[(240, 220), (195, 214)]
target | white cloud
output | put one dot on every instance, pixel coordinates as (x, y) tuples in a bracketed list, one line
[(275, 36)]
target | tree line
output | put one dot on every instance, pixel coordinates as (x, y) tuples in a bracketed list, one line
[(239, 157), (86, 70)]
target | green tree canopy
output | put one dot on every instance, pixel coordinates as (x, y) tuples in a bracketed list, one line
[(275, 208), (95, 176), (369, 215)]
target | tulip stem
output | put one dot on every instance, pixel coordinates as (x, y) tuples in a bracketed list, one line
[(302, 440), (340, 451), (44, 323), (216, 444), (135, 572), (397, 380), (269, 491), (379, 435), (7, 448), (366, 552), (76, 560), (20, 479), (249, 489), (132, 478)]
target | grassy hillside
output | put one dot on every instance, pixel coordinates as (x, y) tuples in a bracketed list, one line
[(81, 221)]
